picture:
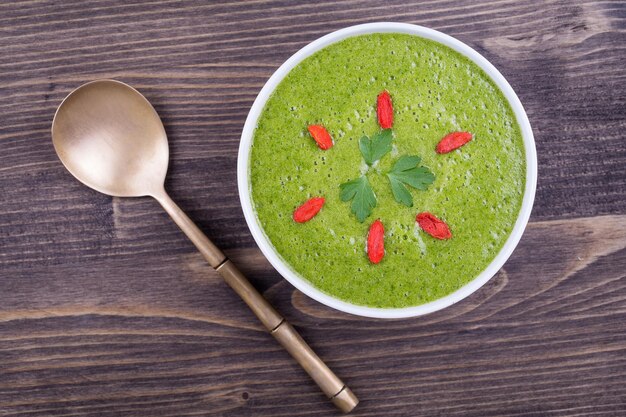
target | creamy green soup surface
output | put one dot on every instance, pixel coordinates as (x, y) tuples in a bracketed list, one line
[(478, 188)]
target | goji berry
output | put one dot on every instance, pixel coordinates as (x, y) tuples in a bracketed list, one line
[(308, 210), (453, 141), (376, 242), (433, 226), (384, 109), (321, 136)]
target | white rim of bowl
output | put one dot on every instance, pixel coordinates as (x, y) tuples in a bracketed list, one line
[(302, 284)]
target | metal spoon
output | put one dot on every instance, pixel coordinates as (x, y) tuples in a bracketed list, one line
[(111, 139)]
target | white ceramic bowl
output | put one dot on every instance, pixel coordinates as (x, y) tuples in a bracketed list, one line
[(303, 285)]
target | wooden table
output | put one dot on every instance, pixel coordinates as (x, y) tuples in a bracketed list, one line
[(107, 310)]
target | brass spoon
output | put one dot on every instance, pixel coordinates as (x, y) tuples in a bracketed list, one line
[(111, 139)]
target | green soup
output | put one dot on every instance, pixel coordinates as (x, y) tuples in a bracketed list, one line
[(478, 188)]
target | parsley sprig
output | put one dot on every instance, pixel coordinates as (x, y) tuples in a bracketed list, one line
[(362, 196), (376, 147), (406, 172)]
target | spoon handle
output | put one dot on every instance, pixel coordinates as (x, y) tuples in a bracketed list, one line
[(277, 326)]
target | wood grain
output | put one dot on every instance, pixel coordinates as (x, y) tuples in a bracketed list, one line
[(106, 309)]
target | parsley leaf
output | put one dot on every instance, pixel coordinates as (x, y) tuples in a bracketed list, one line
[(362, 196), (407, 172), (376, 147)]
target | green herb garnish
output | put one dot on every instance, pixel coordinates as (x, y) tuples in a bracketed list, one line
[(362, 196), (376, 147), (407, 172)]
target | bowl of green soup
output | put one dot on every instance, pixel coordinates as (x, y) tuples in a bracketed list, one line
[(387, 170)]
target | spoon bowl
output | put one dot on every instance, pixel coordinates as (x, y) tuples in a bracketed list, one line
[(111, 139)]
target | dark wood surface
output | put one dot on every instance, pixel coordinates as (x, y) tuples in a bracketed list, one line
[(107, 310)]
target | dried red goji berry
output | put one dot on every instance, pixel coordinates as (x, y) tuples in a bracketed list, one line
[(308, 210), (453, 141), (321, 136), (384, 109), (376, 242), (433, 226)]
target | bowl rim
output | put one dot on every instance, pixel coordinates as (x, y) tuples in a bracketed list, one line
[(302, 284)]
